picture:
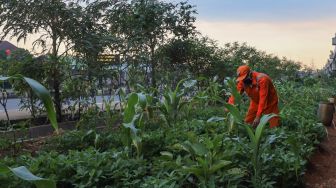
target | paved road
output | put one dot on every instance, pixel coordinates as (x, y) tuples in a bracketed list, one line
[(13, 107)]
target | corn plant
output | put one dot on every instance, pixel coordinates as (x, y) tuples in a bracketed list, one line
[(24, 174), (173, 101), (255, 136), (42, 93), (110, 115), (133, 119), (255, 144), (212, 92)]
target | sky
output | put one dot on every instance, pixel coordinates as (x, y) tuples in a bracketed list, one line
[(300, 30)]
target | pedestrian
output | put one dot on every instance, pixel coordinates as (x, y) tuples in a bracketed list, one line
[(261, 91)]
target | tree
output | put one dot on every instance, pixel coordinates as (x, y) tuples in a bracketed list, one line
[(235, 54), (197, 56), (142, 26), (22, 62), (52, 21)]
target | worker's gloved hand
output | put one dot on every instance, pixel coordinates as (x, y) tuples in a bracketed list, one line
[(256, 122)]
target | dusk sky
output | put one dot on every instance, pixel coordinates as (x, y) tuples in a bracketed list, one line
[(297, 29)]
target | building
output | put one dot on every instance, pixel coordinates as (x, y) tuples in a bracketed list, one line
[(5, 49), (330, 68), (5, 45)]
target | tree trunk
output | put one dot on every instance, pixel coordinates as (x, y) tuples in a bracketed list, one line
[(56, 80), (153, 71), (3, 103), (57, 101)]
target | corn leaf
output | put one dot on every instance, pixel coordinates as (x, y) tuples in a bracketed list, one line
[(42, 93), (23, 173)]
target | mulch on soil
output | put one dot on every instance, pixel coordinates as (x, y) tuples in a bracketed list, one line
[(321, 171)]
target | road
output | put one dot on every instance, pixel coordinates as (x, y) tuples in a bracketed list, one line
[(13, 107)]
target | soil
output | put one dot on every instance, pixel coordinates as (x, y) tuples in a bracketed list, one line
[(25, 147), (31, 146), (321, 171)]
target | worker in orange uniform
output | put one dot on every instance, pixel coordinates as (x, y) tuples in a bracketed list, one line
[(263, 96)]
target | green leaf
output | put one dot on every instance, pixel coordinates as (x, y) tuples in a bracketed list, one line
[(23, 173), (235, 93), (250, 133), (263, 121), (167, 154), (43, 94), (131, 126), (215, 119), (199, 149), (142, 99), (130, 108), (214, 168), (234, 112), (194, 170), (178, 85)]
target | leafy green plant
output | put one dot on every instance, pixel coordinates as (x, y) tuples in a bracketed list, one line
[(206, 161), (206, 164)]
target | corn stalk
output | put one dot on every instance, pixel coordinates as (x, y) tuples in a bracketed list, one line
[(42, 93)]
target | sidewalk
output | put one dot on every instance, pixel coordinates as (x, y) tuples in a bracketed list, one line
[(16, 114)]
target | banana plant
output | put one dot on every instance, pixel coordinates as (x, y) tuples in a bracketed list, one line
[(42, 93), (24, 174), (173, 101)]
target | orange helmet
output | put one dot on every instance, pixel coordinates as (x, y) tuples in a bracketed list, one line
[(242, 72)]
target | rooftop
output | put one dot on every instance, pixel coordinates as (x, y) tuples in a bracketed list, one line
[(5, 45)]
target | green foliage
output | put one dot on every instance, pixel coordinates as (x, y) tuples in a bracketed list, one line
[(205, 162), (42, 94), (82, 139), (173, 101), (156, 41), (255, 139), (138, 104), (91, 119), (87, 168)]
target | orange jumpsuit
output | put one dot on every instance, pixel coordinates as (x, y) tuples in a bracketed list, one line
[(263, 98)]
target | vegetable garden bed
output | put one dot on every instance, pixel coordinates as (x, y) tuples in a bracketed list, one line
[(199, 147)]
